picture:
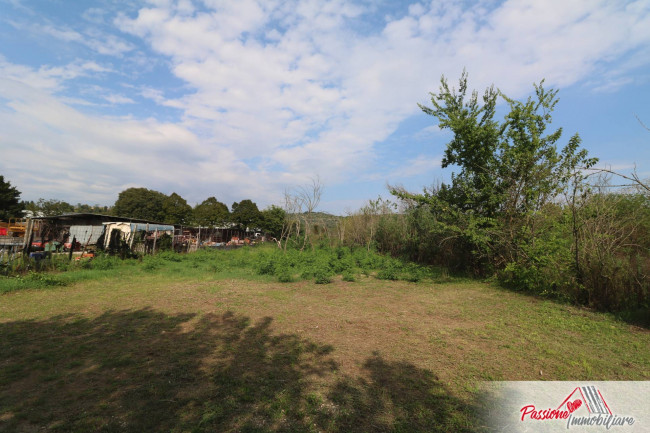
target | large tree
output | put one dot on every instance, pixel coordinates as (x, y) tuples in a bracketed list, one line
[(10, 204), (176, 210), (50, 207), (141, 203), (508, 167), (210, 213), (508, 171), (272, 220), (245, 214)]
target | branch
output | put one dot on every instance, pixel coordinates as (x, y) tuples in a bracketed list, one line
[(634, 177), (642, 124)]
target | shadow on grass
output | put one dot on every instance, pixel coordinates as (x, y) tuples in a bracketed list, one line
[(145, 371)]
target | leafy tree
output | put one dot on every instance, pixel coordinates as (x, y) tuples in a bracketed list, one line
[(272, 220), (508, 171), (52, 207), (140, 203), (10, 204), (86, 208), (210, 213), (245, 214), (512, 166), (176, 210)]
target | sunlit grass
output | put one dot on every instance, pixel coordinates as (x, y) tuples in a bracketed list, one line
[(214, 342)]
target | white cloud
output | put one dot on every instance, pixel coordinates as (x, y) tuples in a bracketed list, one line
[(118, 99), (265, 96), (93, 38), (417, 166), (293, 86), (49, 78)]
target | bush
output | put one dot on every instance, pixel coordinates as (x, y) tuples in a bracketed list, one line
[(348, 276), (413, 273), (390, 271), (322, 276), (105, 262), (284, 275)]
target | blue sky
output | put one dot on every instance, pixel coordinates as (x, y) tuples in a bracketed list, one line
[(244, 99)]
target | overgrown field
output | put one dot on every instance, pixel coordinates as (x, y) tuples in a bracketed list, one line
[(216, 341)]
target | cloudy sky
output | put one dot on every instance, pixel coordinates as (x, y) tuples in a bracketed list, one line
[(242, 99)]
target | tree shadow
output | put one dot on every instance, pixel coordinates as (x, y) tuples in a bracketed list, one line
[(145, 371)]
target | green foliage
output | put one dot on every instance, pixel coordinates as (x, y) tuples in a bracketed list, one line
[(211, 213), (506, 168), (272, 220), (52, 207), (319, 265), (32, 280), (284, 274), (245, 214), (10, 204), (141, 203), (105, 262), (390, 271), (176, 210)]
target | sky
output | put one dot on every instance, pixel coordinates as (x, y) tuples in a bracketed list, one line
[(247, 99)]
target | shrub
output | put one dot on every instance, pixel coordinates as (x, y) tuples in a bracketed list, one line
[(413, 273), (104, 262), (284, 275), (322, 276)]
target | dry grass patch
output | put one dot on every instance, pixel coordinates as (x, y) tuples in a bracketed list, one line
[(239, 355)]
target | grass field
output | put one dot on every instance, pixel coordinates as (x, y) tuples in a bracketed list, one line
[(205, 345)]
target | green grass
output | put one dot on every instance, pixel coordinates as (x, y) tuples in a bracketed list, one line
[(214, 342), (263, 264)]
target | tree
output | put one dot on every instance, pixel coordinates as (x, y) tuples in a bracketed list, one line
[(509, 169), (211, 212), (300, 204), (52, 207), (272, 220), (245, 214), (140, 203), (176, 210), (10, 204)]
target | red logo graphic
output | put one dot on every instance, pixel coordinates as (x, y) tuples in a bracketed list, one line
[(573, 405), (596, 410), (592, 399)]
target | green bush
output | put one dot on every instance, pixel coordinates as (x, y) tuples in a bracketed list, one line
[(349, 276), (104, 262), (322, 276), (284, 274), (413, 273)]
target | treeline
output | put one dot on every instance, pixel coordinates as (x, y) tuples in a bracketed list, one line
[(536, 216), (173, 209), (143, 203)]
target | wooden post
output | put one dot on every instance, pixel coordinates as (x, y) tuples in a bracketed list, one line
[(74, 241), (155, 238), (27, 237)]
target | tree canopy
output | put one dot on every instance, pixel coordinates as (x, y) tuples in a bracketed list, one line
[(211, 213), (49, 207), (141, 203), (272, 220), (245, 214), (176, 210), (506, 167), (10, 204)]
